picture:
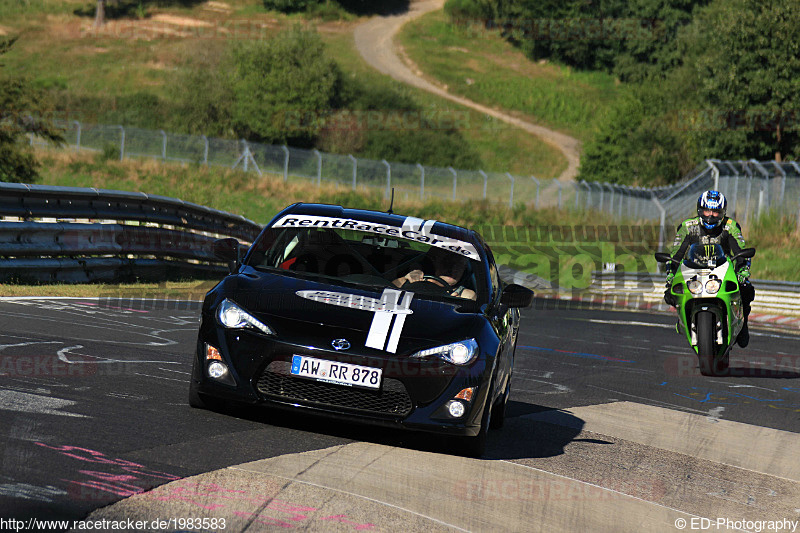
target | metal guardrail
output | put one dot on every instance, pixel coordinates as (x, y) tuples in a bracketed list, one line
[(772, 297), (70, 234), (646, 290)]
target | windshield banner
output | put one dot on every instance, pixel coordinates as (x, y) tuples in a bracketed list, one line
[(414, 229)]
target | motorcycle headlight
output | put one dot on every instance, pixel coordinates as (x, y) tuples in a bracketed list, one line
[(232, 316), (712, 286), (694, 286), (458, 353)]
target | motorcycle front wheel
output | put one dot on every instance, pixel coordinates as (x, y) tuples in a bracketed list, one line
[(706, 348)]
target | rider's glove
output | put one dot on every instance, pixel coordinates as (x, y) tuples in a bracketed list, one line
[(743, 274), (670, 277)]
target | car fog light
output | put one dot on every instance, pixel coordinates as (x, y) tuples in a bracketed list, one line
[(216, 370), (456, 408)]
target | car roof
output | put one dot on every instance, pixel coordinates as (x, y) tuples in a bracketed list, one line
[(441, 228)]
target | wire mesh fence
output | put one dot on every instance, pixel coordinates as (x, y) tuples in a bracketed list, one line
[(753, 188)]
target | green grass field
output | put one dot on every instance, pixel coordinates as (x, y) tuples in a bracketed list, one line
[(96, 77), (55, 52), (480, 65)]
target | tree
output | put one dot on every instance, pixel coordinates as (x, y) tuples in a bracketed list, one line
[(637, 143), (283, 88), (746, 69), (21, 109)]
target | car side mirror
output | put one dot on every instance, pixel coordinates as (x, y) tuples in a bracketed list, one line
[(746, 253), (516, 296), (228, 250)]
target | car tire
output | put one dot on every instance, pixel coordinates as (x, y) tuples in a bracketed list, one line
[(476, 446)]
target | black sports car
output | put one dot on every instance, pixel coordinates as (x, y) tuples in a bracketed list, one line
[(369, 316)]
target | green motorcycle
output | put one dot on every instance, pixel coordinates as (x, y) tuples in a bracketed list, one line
[(709, 305)]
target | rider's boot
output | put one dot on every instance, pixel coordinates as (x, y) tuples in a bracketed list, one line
[(743, 339)]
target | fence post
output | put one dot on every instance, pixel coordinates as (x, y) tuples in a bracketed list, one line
[(602, 195), (285, 162), (747, 205), (485, 182), (121, 143), (783, 181), (560, 188), (78, 136), (355, 169), (455, 181), (319, 166), (714, 173), (421, 181), (734, 205), (163, 145), (536, 201), (662, 221), (245, 155), (611, 199), (388, 177), (511, 196), (205, 150)]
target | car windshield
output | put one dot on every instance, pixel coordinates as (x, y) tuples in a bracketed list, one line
[(705, 256), (371, 259)]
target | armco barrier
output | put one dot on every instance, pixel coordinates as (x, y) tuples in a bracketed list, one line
[(68, 234), (642, 290)]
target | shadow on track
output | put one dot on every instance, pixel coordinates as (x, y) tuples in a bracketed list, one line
[(520, 438)]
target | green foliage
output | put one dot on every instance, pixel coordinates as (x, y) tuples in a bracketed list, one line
[(110, 152), (288, 6), (204, 92), (467, 10), (336, 9), (21, 109), (279, 79), (636, 144), (745, 67)]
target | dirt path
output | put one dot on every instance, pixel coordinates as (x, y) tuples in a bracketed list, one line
[(374, 41)]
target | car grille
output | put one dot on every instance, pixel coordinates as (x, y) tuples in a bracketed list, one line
[(277, 382)]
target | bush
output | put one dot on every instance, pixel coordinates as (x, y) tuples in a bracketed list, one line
[(467, 10), (289, 6), (204, 92), (278, 81)]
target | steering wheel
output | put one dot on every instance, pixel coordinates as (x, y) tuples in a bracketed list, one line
[(425, 285)]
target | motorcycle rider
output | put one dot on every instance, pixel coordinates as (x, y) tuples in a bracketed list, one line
[(711, 226)]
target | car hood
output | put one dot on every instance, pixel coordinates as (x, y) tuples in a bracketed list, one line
[(379, 320)]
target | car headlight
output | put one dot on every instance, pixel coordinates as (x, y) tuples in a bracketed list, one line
[(712, 286), (232, 316), (458, 353), (694, 286)]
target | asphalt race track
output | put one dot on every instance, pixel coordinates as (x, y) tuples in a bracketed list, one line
[(611, 428)]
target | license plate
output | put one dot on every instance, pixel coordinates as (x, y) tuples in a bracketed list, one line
[(336, 372)]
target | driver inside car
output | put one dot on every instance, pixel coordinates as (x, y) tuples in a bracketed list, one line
[(448, 271)]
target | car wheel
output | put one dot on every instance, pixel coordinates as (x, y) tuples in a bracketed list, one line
[(476, 446)]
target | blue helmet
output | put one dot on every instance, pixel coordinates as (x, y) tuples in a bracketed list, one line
[(713, 200)]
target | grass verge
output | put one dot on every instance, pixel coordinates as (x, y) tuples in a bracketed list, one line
[(479, 64), (123, 74)]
